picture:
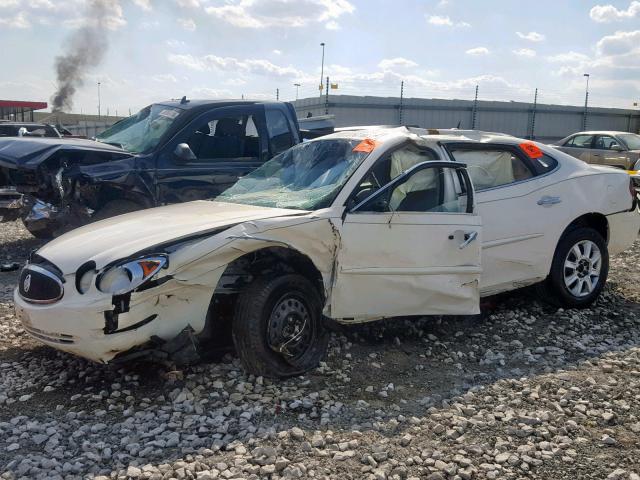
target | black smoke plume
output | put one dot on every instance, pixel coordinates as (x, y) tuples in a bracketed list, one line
[(85, 49)]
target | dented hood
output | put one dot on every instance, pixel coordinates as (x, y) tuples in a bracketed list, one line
[(120, 237), (30, 152)]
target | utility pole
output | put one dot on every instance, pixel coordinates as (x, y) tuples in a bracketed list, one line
[(586, 104), (322, 68), (474, 113), (277, 94), (326, 99), (297, 85), (533, 116), (98, 101), (400, 112)]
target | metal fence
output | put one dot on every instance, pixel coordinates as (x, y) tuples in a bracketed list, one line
[(541, 122)]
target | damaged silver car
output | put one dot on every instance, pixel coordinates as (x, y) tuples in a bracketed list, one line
[(354, 227)]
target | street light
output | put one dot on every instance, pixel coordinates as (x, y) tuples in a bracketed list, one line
[(586, 103), (322, 69), (297, 85), (98, 100)]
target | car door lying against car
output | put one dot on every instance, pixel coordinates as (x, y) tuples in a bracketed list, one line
[(211, 153), (410, 246)]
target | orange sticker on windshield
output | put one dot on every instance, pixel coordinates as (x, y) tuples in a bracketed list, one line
[(366, 146), (532, 150)]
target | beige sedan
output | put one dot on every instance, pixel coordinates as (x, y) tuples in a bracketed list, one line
[(617, 149)]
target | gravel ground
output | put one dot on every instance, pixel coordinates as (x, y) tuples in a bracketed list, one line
[(523, 391)]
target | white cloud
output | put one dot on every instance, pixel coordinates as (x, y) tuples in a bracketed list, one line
[(478, 51), (188, 3), (609, 13), (444, 21), (398, 62), (231, 64), (619, 43), (19, 21), (9, 3), (569, 57), (281, 13), (276, 52), (525, 52), (531, 36), (187, 24), (332, 25), (143, 4)]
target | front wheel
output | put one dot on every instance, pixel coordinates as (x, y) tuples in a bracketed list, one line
[(579, 269), (278, 327)]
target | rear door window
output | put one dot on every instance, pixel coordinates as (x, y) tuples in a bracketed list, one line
[(280, 136), (495, 167), (580, 141)]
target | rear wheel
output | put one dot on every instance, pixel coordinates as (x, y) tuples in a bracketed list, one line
[(278, 327), (579, 269)]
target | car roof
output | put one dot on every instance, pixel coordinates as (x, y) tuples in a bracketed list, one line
[(601, 132), (199, 103), (433, 134)]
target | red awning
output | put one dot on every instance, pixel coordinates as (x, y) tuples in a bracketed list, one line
[(22, 104)]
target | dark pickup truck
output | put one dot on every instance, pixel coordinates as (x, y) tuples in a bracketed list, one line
[(169, 152)]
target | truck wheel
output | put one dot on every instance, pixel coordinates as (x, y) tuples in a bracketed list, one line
[(115, 208), (278, 327), (579, 269)]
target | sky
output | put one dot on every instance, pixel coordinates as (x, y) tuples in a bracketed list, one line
[(161, 49)]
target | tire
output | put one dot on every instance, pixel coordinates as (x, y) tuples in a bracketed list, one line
[(269, 305), (560, 288), (115, 208)]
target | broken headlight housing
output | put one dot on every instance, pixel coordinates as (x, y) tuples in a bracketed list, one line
[(129, 275)]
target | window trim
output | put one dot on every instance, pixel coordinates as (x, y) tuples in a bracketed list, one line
[(272, 150), (386, 154), (492, 146), (617, 140), (418, 168)]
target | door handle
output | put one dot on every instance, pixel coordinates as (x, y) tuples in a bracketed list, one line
[(547, 201), (468, 238)]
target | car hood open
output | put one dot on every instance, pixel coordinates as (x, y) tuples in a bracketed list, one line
[(30, 152), (125, 235)]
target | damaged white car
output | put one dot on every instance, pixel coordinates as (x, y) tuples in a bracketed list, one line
[(355, 226)]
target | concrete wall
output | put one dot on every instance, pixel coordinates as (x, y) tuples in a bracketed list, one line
[(552, 122)]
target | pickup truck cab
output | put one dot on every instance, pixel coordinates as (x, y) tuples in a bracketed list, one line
[(169, 152)]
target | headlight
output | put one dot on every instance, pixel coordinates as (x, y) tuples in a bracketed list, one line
[(126, 277)]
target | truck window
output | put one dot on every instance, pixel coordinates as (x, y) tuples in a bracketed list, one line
[(280, 137), (232, 137)]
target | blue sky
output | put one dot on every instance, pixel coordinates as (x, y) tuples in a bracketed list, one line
[(228, 48)]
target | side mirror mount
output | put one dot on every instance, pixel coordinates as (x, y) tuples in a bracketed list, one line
[(22, 132), (184, 153)]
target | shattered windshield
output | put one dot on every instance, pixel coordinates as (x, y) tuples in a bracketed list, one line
[(305, 177), (141, 132)]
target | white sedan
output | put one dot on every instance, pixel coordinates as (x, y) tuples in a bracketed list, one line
[(355, 226)]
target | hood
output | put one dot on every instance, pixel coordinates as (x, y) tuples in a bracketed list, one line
[(32, 151), (122, 236)]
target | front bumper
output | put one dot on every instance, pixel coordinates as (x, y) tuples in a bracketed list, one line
[(77, 323)]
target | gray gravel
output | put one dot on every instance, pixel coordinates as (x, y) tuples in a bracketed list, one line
[(524, 391)]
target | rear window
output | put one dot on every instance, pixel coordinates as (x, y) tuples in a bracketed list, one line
[(544, 164)]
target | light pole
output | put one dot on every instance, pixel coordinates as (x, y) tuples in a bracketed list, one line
[(586, 103), (322, 69), (98, 100), (297, 85)]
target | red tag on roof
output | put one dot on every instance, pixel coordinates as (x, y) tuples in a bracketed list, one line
[(531, 149), (366, 146)]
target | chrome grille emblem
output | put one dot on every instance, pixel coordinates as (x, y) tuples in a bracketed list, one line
[(27, 283)]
